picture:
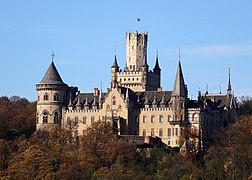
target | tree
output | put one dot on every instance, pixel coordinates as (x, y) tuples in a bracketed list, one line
[(231, 155)]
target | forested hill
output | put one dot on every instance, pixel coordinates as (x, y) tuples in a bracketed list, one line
[(17, 117), (101, 154)]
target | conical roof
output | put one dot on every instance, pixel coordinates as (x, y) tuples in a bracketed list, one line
[(115, 65), (157, 64), (52, 76), (179, 84)]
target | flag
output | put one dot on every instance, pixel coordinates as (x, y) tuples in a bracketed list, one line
[(138, 19)]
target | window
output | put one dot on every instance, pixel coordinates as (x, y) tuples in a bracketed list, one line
[(45, 117), (176, 131), (114, 100), (169, 118), (132, 47), (119, 107), (84, 120), (56, 118), (152, 132), (196, 117), (160, 132), (68, 120), (169, 132), (38, 98), (190, 117), (161, 118), (169, 142), (38, 118), (108, 107), (152, 119), (144, 132), (46, 97), (76, 120), (56, 97), (92, 119), (144, 119)]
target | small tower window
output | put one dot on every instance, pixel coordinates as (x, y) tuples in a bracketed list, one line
[(45, 117), (56, 118), (38, 98), (114, 100), (56, 97), (46, 97)]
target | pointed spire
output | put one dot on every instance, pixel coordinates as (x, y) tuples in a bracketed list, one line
[(127, 94), (86, 105), (52, 75), (154, 102), (70, 104), (162, 103), (78, 104), (206, 88), (229, 88), (115, 65), (157, 68), (179, 85), (52, 55), (146, 102)]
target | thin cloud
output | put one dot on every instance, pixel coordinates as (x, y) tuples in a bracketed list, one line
[(234, 50)]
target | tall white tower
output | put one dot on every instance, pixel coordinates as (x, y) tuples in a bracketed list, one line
[(136, 50)]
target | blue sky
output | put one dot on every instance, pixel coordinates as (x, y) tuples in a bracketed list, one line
[(84, 34)]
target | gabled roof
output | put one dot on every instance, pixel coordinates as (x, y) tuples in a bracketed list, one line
[(52, 76), (179, 84)]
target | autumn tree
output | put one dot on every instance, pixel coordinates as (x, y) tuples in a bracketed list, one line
[(231, 155)]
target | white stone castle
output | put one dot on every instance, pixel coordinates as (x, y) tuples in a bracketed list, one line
[(135, 104)]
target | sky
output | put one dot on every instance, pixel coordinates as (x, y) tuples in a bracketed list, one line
[(85, 36)]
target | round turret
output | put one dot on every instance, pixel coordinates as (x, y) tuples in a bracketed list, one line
[(51, 98)]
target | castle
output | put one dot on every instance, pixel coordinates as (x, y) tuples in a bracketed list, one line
[(135, 104)]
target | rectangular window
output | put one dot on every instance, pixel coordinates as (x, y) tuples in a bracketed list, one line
[(169, 132), (76, 120), (92, 119), (176, 131), (144, 119), (68, 120), (84, 120), (144, 132), (160, 132), (152, 132), (161, 118), (152, 119), (169, 118)]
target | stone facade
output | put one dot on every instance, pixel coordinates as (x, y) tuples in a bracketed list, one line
[(135, 104)]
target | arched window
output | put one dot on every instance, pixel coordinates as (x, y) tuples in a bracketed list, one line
[(190, 117), (56, 118), (119, 107), (196, 117), (45, 117), (46, 97), (108, 107)]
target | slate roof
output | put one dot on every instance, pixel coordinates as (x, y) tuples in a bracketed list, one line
[(52, 76), (179, 84)]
